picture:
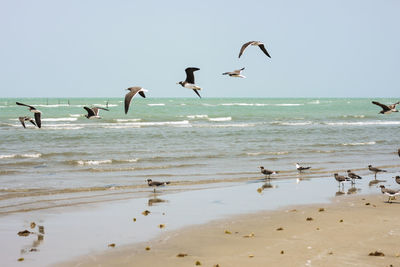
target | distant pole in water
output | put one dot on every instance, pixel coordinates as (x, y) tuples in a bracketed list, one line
[(69, 103), (107, 104), (47, 101)]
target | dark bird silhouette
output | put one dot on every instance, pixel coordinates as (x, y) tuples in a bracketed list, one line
[(353, 176), (375, 170), (398, 152), (266, 172), (155, 184), (189, 81), (93, 113), (235, 73), (386, 109), (24, 119), (340, 178), (36, 113), (133, 91), (254, 43)]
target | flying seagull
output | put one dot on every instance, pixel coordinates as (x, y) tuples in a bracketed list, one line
[(93, 113), (340, 178), (389, 192), (36, 112), (352, 176), (235, 73), (375, 170), (189, 82), (133, 91), (24, 119), (387, 109), (254, 43), (156, 184), (301, 168), (267, 172)]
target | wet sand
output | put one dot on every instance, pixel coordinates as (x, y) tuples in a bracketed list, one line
[(341, 233)]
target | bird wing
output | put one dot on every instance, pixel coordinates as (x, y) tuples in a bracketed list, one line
[(393, 106), (262, 47), (96, 110), (22, 120), (190, 75), (21, 104), (197, 93), (238, 71), (32, 121), (130, 95), (90, 111), (384, 107), (37, 119), (244, 47)]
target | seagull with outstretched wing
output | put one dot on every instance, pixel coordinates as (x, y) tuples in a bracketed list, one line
[(36, 113), (189, 82)]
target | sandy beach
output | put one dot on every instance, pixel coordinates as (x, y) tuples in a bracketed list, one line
[(342, 233)]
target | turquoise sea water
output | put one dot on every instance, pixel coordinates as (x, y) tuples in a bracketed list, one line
[(190, 142)]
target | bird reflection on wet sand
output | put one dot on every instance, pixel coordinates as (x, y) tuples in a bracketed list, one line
[(155, 200)]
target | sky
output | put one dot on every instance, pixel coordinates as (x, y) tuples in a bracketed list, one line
[(98, 48)]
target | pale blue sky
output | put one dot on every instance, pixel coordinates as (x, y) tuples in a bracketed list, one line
[(341, 48)]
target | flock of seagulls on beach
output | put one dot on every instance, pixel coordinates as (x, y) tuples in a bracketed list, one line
[(189, 82)]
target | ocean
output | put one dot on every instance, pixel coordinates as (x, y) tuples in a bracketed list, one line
[(193, 143)]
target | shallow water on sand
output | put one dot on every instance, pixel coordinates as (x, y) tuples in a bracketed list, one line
[(72, 231)]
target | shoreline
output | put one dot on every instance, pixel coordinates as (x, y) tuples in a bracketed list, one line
[(342, 232)]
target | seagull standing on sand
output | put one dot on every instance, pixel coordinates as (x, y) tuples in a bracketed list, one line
[(267, 172), (254, 43), (340, 178), (375, 170), (156, 184), (301, 168), (189, 82), (235, 73), (133, 91), (36, 112), (24, 119), (93, 113), (353, 176), (389, 192), (387, 109)]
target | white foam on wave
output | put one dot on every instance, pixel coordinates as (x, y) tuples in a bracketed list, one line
[(220, 119), (261, 104), (363, 123), (225, 125), (197, 116), (359, 144), (315, 102), (59, 119), (353, 116), (33, 155), (156, 104), (183, 123), (292, 123), (127, 120), (93, 162), (50, 106), (76, 115)]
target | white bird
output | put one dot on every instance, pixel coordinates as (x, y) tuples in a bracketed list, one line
[(254, 43), (301, 168), (93, 113), (235, 73), (36, 112), (389, 192), (133, 91), (189, 82)]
